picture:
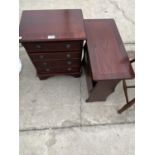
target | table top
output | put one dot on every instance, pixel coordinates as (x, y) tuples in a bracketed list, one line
[(106, 51), (55, 25)]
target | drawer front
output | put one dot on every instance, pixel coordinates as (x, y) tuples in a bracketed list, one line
[(57, 63), (58, 70), (55, 56), (53, 46)]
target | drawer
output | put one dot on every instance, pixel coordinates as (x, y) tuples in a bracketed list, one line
[(58, 63), (58, 70), (55, 56), (53, 46)]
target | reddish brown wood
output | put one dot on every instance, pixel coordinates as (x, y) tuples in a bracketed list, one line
[(108, 58), (55, 70), (67, 31), (131, 102), (45, 76), (98, 90), (53, 46), (67, 24), (126, 106), (55, 56), (106, 61), (101, 90), (58, 63)]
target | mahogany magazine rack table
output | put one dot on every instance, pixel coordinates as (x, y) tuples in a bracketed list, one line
[(106, 60)]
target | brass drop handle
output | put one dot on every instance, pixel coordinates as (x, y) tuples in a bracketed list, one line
[(68, 46), (45, 63), (47, 70), (41, 57), (68, 55), (69, 69), (38, 46), (69, 62)]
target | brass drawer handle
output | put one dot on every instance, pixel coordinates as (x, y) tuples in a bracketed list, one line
[(69, 62), (69, 69), (68, 46), (41, 56), (68, 55), (45, 63), (47, 69), (38, 46)]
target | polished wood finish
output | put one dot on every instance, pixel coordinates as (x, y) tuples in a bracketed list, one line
[(107, 54), (57, 63), (106, 61), (55, 56), (36, 25), (53, 46), (44, 76), (59, 69), (53, 40)]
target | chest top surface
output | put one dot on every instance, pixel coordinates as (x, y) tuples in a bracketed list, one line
[(107, 55), (55, 25)]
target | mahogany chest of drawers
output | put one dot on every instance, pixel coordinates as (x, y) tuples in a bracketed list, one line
[(53, 40)]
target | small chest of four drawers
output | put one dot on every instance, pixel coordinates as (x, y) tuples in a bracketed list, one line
[(54, 58), (53, 40)]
